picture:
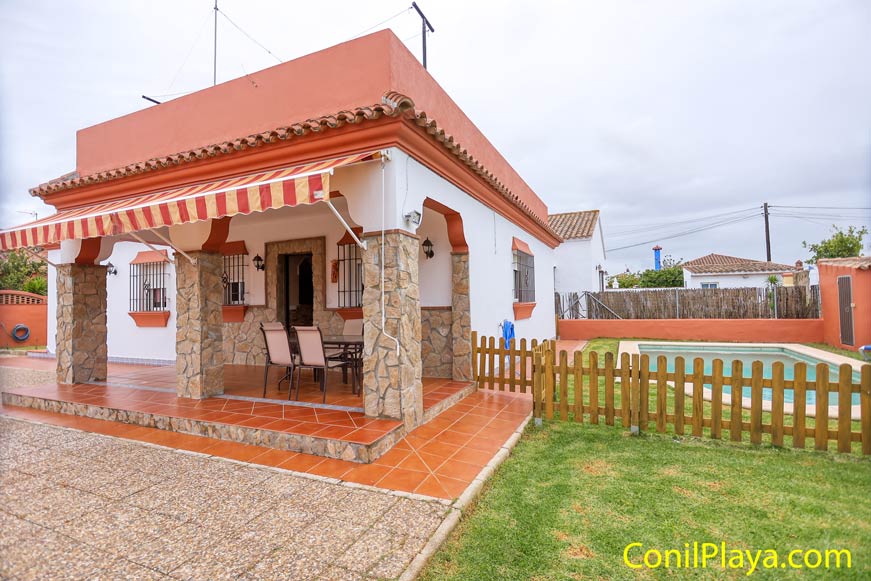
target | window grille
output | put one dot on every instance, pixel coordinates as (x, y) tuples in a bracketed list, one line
[(524, 277), (710, 285), (350, 276), (233, 279), (148, 286)]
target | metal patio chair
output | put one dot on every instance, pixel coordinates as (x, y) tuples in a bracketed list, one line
[(312, 356), (279, 353)]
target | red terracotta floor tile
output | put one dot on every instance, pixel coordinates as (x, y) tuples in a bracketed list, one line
[(301, 462), (432, 487), (234, 450), (472, 456), (366, 473), (331, 468), (399, 479), (393, 456), (364, 436), (273, 457), (458, 470)]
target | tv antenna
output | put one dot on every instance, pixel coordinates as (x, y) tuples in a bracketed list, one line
[(424, 24)]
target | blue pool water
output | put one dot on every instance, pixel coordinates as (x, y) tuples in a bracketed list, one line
[(747, 355)]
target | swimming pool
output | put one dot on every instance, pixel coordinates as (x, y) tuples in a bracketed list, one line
[(747, 354)]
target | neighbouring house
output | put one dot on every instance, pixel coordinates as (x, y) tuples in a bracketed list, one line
[(343, 184), (580, 258), (721, 271)]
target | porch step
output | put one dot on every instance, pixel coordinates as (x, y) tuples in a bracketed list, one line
[(330, 432), (431, 411)]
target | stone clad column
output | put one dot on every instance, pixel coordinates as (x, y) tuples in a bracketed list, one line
[(81, 323), (461, 321), (392, 385), (199, 332)]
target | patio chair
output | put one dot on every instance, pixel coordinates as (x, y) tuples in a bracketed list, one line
[(279, 353), (312, 356)]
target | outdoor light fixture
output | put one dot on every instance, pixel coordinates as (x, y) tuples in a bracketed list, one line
[(258, 263), (110, 269), (427, 249), (413, 217)]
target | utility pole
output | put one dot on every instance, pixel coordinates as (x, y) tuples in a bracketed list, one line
[(215, 53), (424, 24), (767, 233)]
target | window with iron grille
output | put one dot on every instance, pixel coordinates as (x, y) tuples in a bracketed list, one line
[(524, 277), (233, 279), (148, 286), (350, 276)]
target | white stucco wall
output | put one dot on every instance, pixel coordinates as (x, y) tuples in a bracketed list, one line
[(488, 236), (754, 279), (125, 339), (576, 262)]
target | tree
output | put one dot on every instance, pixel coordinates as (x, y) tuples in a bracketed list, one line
[(842, 244), (17, 268), (624, 280), (671, 276)]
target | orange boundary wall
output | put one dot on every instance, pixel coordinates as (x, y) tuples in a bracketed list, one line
[(744, 330), (34, 316)]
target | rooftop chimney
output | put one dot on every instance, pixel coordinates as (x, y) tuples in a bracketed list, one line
[(657, 261)]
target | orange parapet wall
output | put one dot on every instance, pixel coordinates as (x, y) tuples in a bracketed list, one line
[(739, 330), (353, 74)]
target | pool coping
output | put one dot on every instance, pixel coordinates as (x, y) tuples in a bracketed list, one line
[(631, 348)]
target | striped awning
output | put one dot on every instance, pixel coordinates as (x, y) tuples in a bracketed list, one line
[(291, 186)]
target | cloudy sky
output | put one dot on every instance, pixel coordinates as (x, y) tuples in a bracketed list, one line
[(668, 116)]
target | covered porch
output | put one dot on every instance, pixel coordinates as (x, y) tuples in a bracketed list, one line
[(289, 246)]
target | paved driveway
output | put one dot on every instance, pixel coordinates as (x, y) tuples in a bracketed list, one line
[(75, 505)]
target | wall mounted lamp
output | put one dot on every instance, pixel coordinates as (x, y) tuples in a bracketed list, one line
[(413, 217), (110, 269), (427, 249), (258, 263)]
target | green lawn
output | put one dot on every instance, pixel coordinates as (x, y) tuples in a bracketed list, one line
[(845, 352), (573, 496)]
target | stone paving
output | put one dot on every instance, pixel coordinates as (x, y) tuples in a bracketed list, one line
[(75, 505)]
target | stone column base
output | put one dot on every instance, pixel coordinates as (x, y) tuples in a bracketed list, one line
[(81, 323), (392, 385), (199, 334)]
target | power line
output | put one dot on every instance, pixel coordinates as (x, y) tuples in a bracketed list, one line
[(373, 27), (630, 229), (687, 232), (251, 38), (824, 207)]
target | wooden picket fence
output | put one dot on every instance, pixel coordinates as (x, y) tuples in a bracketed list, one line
[(642, 398)]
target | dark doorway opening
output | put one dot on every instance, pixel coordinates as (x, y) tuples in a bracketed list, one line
[(298, 289)]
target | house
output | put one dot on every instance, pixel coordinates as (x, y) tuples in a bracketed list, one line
[(580, 258), (344, 184), (721, 271)]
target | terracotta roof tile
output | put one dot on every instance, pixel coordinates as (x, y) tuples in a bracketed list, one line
[(722, 264), (860, 262), (572, 225), (393, 104)]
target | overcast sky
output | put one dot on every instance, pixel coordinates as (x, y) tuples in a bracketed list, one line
[(667, 116)]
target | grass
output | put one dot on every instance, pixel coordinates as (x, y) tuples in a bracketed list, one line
[(837, 350), (572, 496)]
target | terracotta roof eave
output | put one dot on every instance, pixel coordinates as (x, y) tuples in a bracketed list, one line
[(393, 104)]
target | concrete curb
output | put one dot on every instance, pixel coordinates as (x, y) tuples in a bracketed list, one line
[(464, 501)]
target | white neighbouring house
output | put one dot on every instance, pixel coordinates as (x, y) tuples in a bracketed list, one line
[(581, 257), (721, 271)]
